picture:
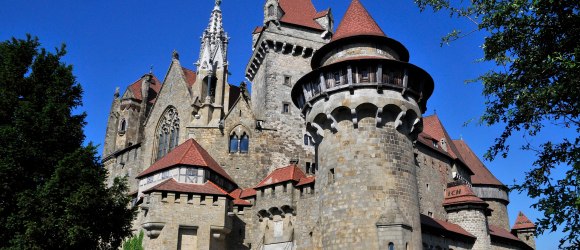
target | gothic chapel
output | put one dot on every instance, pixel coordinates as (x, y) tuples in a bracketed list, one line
[(329, 149)]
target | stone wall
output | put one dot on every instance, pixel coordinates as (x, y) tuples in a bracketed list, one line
[(433, 174), (205, 213), (473, 220), (360, 169)]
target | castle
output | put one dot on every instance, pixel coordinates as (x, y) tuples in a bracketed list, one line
[(329, 149)]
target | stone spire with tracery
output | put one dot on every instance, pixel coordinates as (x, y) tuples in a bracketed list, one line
[(213, 54)]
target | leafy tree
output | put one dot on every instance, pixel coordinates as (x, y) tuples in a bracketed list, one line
[(52, 191), (134, 243), (536, 84)]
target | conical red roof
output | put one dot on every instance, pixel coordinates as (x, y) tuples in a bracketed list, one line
[(522, 222), (357, 21)]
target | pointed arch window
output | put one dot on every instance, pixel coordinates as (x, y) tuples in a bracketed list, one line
[(167, 132), (271, 10), (244, 143), (239, 141), (123, 126), (234, 141)]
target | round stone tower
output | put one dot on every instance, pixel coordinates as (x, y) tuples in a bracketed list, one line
[(362, 104)]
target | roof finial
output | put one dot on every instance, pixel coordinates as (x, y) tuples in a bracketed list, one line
[(151, 69), (175, 55), (218, 2)]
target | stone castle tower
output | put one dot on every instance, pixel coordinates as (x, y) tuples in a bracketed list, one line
[(329, 150), (364, 101)]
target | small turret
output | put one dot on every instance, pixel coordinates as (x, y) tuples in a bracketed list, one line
[(362, 103), (525, 229)]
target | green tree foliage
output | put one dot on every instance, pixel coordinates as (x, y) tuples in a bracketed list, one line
[(134, 243), (536, 84), (52, 188)]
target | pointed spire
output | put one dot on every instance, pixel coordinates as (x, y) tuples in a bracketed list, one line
[(357, 21), (522, 222), (213, 41)]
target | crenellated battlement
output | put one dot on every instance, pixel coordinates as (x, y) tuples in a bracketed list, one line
[(279, 47)]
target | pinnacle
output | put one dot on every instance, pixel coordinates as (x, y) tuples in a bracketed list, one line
[(357, 21)]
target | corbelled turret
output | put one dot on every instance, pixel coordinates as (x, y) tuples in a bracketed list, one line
[(362, 103)]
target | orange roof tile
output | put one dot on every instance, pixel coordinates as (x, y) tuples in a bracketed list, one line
[(299, 12), (288, 173), (357, 21), (461, 194), (306, 180), (190, 76), (188, 153), (522, 222), (482, 175), (322, 13), (236, 196), (443, 227), (248, 192), (173, 186), (258, 29), (154, 88), (502, 233)]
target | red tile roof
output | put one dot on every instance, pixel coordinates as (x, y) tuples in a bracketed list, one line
[(482, 175), (188, 153), (461, 194), (248, 192), (190, 76), (357, 21), (171, 185), (288, 173), (444, 227), (154, 88), (522, 222), (322, 13), (306, 180), (502, 233), (258, 29), (236, 196), (299, 12)]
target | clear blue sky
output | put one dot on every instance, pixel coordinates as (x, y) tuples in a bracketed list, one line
[(113, 42)]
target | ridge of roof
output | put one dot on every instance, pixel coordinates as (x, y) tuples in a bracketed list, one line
[(299, 12), (357, 21), (482, 175), (288, 173), (187, 153), (522, 222), (433, 127), (322, 13)]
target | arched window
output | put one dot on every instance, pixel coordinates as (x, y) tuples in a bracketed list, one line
[(167, 132), (244, 143), (391, 246), (271, 11), (123, 126), (241, 143), (234, 141)]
